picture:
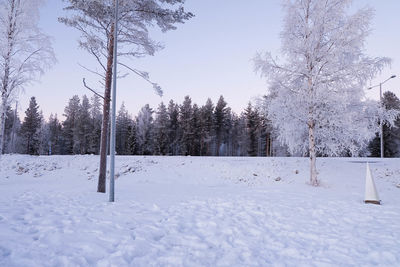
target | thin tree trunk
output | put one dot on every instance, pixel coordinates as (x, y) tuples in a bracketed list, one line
[(101, 187), (313, 156), (3, 109)]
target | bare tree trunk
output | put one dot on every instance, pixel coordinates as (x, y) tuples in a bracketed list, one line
[(101, 187), (3, 109), (313, 156)]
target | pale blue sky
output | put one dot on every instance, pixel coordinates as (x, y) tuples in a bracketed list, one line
[(208, 56)]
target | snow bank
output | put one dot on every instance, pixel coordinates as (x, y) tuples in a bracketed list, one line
[(192, 211)]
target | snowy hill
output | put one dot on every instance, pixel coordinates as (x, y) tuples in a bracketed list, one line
[(192, 211)]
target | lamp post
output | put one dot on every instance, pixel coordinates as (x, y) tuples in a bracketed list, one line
[(381, 102), (113, 113)]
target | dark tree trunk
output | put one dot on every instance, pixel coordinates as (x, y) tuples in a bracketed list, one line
[(101, 187)]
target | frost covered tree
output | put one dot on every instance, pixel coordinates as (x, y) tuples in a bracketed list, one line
[(391, 135), (25, 52), (95, 20), (316, 93), (144, 131)]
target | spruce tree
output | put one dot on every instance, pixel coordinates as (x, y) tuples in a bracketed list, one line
[(207, 126), (123, 127), (161, 130), (70, 126), (96, 118), (55, 135), (173, 128), (144, 131), (220, 116), (185, 120), (83, 127), (30, 128)]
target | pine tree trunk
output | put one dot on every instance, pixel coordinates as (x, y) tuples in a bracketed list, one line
[(101, 187)]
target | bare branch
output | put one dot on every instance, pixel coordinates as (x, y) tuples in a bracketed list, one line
[(93, 91)]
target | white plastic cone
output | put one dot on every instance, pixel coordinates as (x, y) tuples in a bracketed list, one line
[(371, 195)]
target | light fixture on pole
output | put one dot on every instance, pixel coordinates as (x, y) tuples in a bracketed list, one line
[(113, 99), (381, 103)]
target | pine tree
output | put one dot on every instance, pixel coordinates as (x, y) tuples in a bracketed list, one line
[(83, 127), (95, 20), (173, 128), (123, 127), (30, 128), (252, 123), (70, 126), (195, 126), (132, 140), (55, 135), (96, 118), (207, 127), (185, 122), (220, 115), (144, 131), (161, 130)]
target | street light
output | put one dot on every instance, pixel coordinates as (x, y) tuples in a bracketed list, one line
[(113, 113), (381, 102)]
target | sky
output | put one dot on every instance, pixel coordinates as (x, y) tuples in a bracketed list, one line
[(208, 56)]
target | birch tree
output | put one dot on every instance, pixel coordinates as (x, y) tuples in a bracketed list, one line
[(95, 20), (25, 52), (317, 91)]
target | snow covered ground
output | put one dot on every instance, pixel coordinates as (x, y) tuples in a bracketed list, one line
[(192, 211)]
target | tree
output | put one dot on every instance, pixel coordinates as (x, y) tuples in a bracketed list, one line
[(207, 125), (173, 128), (253, 125), (55, 135), (185, 123), (25, 52), (70, 126), (391, 135), (95, 20), (30, 128), (316, 94), (12, 125), (196, 131), (123, 126), (161, 130), (95, 114), (84, 127), (220, 115), (144, 131)]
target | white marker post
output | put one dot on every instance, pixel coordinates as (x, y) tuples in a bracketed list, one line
[(371, 194)]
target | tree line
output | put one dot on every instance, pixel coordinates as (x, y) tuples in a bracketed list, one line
[(170, 129)]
